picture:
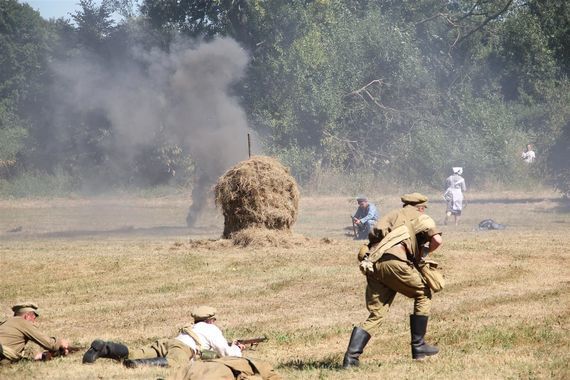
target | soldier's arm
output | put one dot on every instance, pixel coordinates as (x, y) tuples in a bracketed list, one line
[(36, 336), (435, 242)]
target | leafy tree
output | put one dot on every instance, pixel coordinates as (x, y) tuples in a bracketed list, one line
[(23, 46)]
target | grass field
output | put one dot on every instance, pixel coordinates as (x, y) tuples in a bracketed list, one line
[(131, 271)]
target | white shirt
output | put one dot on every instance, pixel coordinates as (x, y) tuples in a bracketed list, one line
[(211, 338), (529, 156)]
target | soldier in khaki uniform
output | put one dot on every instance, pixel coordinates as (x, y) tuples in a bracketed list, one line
[(16, 331), (174, 352), (396, 245)]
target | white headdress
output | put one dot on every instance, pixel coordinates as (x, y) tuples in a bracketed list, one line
[(457, 170)]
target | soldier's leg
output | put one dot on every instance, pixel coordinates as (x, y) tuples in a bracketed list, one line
[(378, 301), (379, 298), (152, 355), (155, 350), (179, 354), (102, 349), (405, 279)]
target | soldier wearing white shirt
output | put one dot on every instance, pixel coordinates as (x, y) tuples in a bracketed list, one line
[(179, 351), (208, 336)]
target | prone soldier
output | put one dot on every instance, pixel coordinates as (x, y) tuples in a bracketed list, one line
[(192, 340), (16, 331)]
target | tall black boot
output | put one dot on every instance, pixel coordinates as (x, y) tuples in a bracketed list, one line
[(358, 340), (418, 328), (102, 349), (157, 362)]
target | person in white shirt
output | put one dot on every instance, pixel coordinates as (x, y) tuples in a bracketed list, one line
[(208, 336), (529, 156), (174, 352)]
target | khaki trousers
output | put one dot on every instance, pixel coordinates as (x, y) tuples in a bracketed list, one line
[(177, 353), (389, 278)]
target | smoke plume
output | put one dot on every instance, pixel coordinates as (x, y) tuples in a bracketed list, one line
[(183, 95)]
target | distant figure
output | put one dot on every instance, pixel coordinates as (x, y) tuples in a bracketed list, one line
[(528, 156), (365, 217), (454, 188)]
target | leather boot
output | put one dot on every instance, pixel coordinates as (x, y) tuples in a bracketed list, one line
[(135, 363), (418, 328), (102, 349), (358, 340)]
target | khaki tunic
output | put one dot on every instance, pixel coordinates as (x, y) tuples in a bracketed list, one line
[(395, 271), (177, 353), (15, 332)]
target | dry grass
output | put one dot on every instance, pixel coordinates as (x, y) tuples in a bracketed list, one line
[(130, 270)]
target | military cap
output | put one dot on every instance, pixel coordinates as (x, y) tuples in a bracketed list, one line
[(361, 198), (24, 307), (201, 313), (414, 199)]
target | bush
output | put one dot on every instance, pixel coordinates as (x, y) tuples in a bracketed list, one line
[(36, 184)]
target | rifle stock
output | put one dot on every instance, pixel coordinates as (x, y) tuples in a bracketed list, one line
[(252, 341)]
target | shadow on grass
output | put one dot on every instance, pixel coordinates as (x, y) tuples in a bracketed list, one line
[(302, 365)]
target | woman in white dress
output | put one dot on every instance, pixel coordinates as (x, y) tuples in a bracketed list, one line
[(455, 186)]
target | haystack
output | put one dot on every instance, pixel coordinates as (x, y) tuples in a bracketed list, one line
[(257, 193)]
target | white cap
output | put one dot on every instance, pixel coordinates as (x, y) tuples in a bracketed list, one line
[(457, 170)]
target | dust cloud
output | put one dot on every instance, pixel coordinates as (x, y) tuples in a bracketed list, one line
[(183, 95)]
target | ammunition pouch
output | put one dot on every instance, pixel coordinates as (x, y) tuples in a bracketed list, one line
[(362, 252), (432, 275)]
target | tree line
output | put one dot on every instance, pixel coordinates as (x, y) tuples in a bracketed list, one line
[(401, 89)]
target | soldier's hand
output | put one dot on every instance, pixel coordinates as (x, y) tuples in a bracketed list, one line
[(64, 346)]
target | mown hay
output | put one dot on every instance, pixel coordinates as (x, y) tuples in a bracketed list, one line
[(259, 192)]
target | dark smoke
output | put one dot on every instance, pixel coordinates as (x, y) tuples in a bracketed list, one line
[(183, 94)]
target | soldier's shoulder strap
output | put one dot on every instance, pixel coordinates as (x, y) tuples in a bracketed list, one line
[(188, 331)]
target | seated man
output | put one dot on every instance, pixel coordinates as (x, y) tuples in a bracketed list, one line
[(178, 351), (365, 218), (16, 331)]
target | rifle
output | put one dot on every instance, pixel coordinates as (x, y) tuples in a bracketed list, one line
[(353, 226), (252, 342), (49, 355)]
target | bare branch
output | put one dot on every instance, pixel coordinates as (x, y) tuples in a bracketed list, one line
[(368, 97), (487, 20)]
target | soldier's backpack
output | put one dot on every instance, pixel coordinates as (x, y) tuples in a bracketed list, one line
[(490, 224)]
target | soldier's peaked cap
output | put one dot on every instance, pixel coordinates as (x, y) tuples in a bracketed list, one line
[(201, 313), (24, 307), (414, 199), (361, 198)]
